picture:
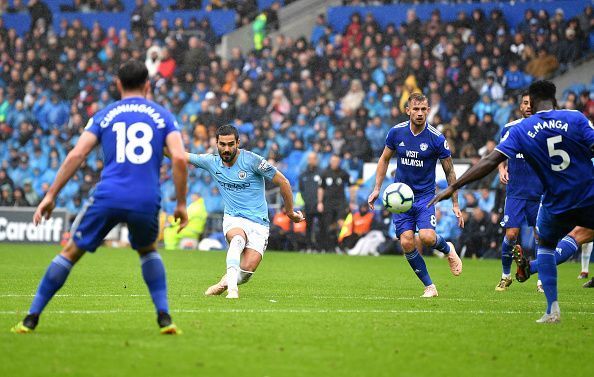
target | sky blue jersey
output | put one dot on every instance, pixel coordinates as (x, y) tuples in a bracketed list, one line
[(523, 181), (417, 156), (557, 144), (241, 185), (132, 134)]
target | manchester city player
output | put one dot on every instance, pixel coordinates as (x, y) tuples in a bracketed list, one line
[(418, 146), (132, 133), (240, 175), (559, 145), (522, 199)]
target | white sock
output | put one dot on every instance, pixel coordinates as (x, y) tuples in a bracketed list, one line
[(244, 276), (505, 276), (586, 252), (236, 247)]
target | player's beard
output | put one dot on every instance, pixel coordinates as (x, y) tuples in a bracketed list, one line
[(418, 122), (228, 156)]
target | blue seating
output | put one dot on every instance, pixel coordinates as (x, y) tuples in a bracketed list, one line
[(339, 17), (222, 21)]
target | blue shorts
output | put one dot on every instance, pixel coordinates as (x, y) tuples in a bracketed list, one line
[(94, 222), (519, 212), (551, 228), (418, 217)]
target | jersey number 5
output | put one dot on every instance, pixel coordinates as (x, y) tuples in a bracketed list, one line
[(565, 160), (137, 150)]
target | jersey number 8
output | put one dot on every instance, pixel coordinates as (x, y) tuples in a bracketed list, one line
[(128, 150)]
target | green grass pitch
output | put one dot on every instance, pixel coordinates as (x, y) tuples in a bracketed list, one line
[(301, 315)]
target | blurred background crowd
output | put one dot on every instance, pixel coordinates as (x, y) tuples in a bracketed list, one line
[(317, 107)]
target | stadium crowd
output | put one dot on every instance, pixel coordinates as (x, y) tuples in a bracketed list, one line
[(335, 95)]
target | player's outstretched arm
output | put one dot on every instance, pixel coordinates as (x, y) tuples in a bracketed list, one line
[(74, 159), (180, 176), (478, 171), (448, 168), (285, 188), (380, 174)]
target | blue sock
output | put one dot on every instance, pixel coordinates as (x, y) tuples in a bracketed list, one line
[(52, 281), (153, 273), (565, 249), (547, 271), (506, 255), (533, 267), (441, 244), (417, 263)]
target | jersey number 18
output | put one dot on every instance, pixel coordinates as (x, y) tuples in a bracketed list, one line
[(128, 150)]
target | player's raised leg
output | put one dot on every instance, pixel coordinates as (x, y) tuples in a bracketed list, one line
[(417, 263), (54, 278), (426, 221)]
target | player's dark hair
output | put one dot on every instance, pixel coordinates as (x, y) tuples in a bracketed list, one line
[(524, 94), (133, 74), (227, 129), (416, 97), (542, 90)]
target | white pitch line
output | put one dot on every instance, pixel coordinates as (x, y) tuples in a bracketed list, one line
[(281, 298), (301, 311)]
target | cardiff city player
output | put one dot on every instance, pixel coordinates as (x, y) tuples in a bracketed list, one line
[(240, 175), (132, 133), (418, 146), (559, 145), (522, 199)]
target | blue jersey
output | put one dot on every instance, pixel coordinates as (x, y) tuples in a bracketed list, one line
[(523, 181), (556, 143), (132, 134), (417, 156), (241, 185)]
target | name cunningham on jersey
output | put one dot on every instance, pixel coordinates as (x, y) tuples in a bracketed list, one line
[(136, 108)]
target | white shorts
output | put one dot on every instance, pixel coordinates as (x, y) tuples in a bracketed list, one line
[(257, 234)]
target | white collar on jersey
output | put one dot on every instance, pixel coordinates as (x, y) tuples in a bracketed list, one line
[(420, 132)]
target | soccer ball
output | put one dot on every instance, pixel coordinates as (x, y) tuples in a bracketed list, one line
[(398, 198)]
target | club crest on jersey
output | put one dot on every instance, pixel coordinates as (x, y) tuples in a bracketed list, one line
[(242, 174), (424, 146)]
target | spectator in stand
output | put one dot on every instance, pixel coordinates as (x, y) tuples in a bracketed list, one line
[(515, 79), (492, 88), (542, 65), (167, 64), (353, 99), (569, 49), (39, 12)]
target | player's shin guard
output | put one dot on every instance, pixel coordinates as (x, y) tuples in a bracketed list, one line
[(52, 281), (244, 276), (441, 244), (506, 255), (547, 271), (236, 247), (417, 263), (565, 249), (153, 273)]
